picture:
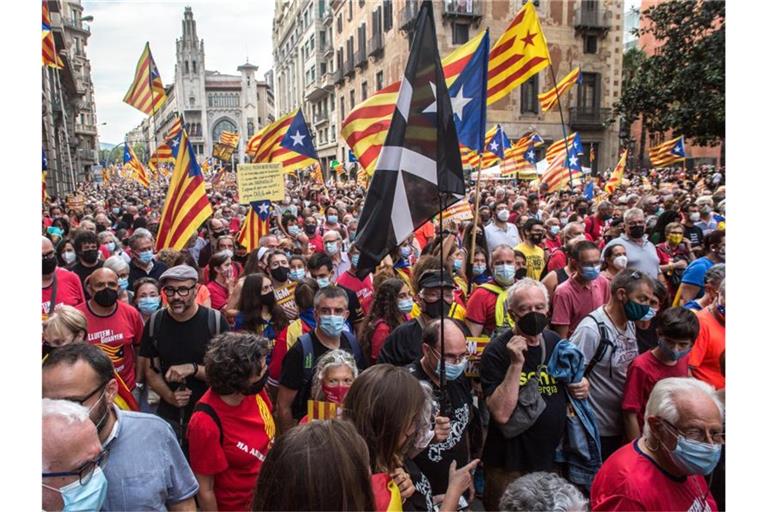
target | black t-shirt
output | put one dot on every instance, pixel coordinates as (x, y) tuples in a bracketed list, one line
[(534, 449), (647, 339), (420, 500), (180, 343), (694, 234), (356, 313), (83, 272), (135, 273), (292, 372), (435, 459), (403, 345)]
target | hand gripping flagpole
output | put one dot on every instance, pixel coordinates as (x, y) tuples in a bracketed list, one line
[(562, 123)]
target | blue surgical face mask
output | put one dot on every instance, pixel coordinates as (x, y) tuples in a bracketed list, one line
[(323, 282), (669, 353), (695, 457), (355, 259), (649, 315), (405, 251), (333, 219), (116, 211), (405, 305), (122, 282), (590, 273), (452, 371), (110, 246), (294, 230), (504, 273), (296, 275), (148, 305), (90, 496), (332, 325), (457, 264), (554, 230), (145, 256), (478, 268), (331, 248)]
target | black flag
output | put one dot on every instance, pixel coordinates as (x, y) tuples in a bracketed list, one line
[(419, 167)]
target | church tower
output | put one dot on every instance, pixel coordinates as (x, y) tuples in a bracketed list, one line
[(190, 81)]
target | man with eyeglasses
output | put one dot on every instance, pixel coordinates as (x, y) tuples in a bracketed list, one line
[(641, 253), (143, 262), (665, 469), (451, 439), (72, 458), (147, 469), (173, 346), (332, 244)]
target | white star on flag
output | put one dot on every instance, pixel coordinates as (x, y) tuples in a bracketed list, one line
[(175, 142), (531, 155), (458, 102), (494, 146), (298, 139), (263, 209), (573, 161)]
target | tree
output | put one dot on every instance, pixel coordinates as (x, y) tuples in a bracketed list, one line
[(681, 87)]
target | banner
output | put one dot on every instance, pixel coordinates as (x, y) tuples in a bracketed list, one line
[(223, 152), (256, 182)]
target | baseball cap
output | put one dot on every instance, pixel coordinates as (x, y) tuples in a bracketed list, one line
[(431, 279)]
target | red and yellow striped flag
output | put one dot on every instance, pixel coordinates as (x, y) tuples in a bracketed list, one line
[(229, 138), (163, 154), (255, 226), (146, 92), (558, 147), (266, 146), (366, 126), (50, 57), (174, 129), (138, 172), (386, 493), (617, 175), (319, 410), (668, 153), (253, 144), (549, 99), (556, 176), (518, 54)]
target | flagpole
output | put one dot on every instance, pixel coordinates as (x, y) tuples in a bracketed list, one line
[(562, 123), (152, 108), (476, 218), (443, 394), (66, 132)]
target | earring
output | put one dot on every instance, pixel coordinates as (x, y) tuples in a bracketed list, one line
[(648, 445)]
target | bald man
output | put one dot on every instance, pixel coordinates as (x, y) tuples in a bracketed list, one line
[(113, 325), (60, 286)]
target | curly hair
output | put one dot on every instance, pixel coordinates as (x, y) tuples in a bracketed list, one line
[(328, 361), (232, 359), (542, 491), (384, 307)]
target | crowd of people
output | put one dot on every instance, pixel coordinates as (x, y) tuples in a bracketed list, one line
[(553, 352)]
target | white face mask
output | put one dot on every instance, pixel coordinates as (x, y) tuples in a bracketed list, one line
[(503, 215), (620, 262)]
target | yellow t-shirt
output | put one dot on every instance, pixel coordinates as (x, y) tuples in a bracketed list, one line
[(534, 259)]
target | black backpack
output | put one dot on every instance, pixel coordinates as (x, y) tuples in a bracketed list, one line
[(602, 347)]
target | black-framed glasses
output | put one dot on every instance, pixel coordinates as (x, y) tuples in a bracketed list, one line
[(83, 400), (698, 435), (84, 472), (181, 291)]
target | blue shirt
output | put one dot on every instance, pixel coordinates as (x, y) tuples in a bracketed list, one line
[(146, 469), (694, 273)]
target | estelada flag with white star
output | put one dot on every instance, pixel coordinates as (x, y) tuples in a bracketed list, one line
[(420, 164), (255, 226), (499, 142), (286, 141)]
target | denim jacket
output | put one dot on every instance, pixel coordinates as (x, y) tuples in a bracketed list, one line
[(580, 447)]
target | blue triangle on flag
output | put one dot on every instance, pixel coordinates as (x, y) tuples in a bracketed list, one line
[(298, 139)]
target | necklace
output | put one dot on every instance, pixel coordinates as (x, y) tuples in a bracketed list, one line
[(621, 332)]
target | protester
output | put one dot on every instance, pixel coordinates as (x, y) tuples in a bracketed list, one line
[(60, 286), (65, 326), (692, 280), (534, 255), (258, 311), (146, 296), (87, 249), (500, 231), (712, 279), (335, 372), (222, 279), (120, 267), (641, 253), (363, 288), (614, 260), (485, 308), (542, 491), (321, 269), (392, 306), (143, 263), (707, 353)]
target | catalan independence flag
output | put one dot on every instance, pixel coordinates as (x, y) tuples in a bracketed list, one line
[(229, 138), (50, 57), (617, 175), (366, 126), (256, 225), (548, 99), (668, 153), (186, 205), (174, 130), (559, 146), (163, 154), (320, 410), (146, 93), (138, 172), (286, 141), (386, 494), (518, 54)]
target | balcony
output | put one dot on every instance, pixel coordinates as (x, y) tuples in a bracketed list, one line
[(589, 118), (314, 91), (73, 25), (460, 10), (408, 15), (376, 45), (361, 58), (327, 17), (88, 155), (337, 77), (320, 118), (87, 129), (327, 81), (591, 18), (349, 68), (326, 49)]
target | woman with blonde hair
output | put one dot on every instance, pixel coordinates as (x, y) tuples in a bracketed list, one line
[(67, 325)]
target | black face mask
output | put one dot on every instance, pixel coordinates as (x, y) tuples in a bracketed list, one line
[(268, 299), (49, 265), (532, 323), (582, 211), (256, 387), (536, 239), (636, 232), (432, 309), (90, 256), (310, 229), (521, 273), (280, 274), (105, 298)]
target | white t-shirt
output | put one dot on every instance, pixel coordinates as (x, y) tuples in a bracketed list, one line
[(495, 236)]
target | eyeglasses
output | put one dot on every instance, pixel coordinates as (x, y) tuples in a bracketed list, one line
[(451, 359), (181, 291), (698, 435), (83, 400), (84, 472)]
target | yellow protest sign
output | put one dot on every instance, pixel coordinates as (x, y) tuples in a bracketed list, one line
[(257, 182)]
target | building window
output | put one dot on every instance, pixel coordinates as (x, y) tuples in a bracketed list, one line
[(379, 80), (387, 15), (341, 106), (349, 13), (590, 44), (460, 33), (529, 101), (333, 133), (364, 91), (251, 127), (589, 92), (338, 24), (351, 99), (186, 67), (194, 66), (333, 102), (191, 101)]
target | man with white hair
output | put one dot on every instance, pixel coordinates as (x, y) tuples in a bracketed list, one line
[(512, 359), (543, 491), (72, 458), (641, 253), (664, 469), (143, 262), (333, 248)]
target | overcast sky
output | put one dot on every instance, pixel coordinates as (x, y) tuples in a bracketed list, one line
[(231, 29)]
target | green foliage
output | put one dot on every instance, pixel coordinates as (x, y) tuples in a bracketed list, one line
[(682, 85)]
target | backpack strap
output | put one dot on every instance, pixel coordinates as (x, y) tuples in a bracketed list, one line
[(154, 325), (357, 352), (308, 350), (210, 411), (501, 315), (214, 322), (54, 287), (602, 347)]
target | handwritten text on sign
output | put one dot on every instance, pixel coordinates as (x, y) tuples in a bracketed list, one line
[(256, 182)]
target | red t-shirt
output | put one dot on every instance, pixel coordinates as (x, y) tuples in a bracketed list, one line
[(69, 291), (551, 244), (219, 295), (643, 373), (557, 260), (424, 234), (630, 480), (379, 336), (573, 301), (481, 308), (593, 226), (235, 464), (118, 335), (705, 354), (363, 289), (317, 242)]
